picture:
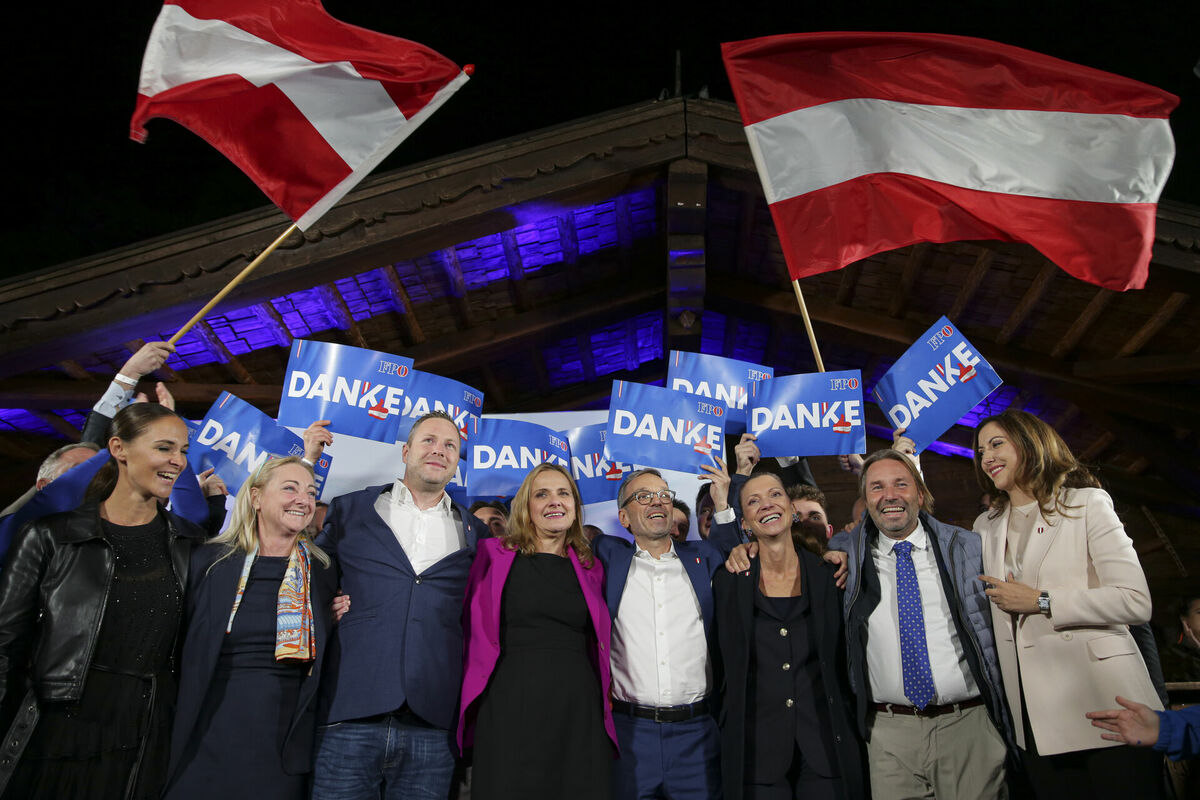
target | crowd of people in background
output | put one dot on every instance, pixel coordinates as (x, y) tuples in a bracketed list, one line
[(394, 644)]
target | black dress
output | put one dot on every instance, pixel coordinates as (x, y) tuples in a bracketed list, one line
[(250, 691), (113, 742), (540, 730)]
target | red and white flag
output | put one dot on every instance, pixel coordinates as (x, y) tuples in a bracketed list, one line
[(304, 104), (866, 142)]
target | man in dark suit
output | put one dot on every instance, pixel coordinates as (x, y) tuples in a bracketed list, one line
[(659, 593), (391, 684)]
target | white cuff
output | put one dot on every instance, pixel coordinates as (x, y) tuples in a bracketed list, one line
[(725, 516), (114, 399)]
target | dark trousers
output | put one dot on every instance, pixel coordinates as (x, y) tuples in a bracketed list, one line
[(667, 760)]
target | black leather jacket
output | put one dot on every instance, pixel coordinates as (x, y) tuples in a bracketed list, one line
[(53, 592)]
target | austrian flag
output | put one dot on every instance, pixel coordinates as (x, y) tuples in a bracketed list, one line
[(866, 142), (305, 105)]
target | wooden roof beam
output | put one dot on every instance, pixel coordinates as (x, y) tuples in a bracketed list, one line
[(516, 270), (966, 291), (457, 286), (1140, 369), (1083, 322), (51, 394), (847, 281), (336, 306), (587, 358), (687, 216), (913, 263), (404, 306), (60, 425), (273, 321), (215, 345), (1033, 294), (75, 370), (1165, 313), (580, 395)]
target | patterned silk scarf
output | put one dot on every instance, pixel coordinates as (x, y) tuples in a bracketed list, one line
[(293, 612)]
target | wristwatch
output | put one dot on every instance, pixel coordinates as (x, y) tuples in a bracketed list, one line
[(1044, 603)]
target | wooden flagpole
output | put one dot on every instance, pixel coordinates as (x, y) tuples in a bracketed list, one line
[(812, 337), (261, 257)]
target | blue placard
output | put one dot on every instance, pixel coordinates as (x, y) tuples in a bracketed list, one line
[(936, 381), (723, 380), (427, 392), (597, 477), (236, 438), (663, 428), (818, 414), (503, 452), (361, 392)]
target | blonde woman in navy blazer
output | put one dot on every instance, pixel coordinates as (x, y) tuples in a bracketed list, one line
[(536, 675)]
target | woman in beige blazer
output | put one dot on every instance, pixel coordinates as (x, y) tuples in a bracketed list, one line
[(1065, 585)]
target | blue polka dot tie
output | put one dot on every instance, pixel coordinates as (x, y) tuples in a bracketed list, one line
[(914, 655)]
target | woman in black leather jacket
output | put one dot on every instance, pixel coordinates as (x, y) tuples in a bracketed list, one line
[(90, 606)]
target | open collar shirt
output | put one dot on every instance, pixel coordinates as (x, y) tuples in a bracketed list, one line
[(428, 535), (659, 650)]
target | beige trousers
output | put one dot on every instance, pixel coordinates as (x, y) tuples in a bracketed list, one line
[(957, 756)]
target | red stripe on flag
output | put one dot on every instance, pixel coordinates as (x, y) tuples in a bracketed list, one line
[(828, 229), (247, 124), (777, 74)]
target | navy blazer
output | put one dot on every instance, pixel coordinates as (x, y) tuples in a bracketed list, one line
[(210, 595), (700, 561), (402, 640)]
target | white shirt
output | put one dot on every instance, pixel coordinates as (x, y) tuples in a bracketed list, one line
[(952, 679), (427, 536), (659, 650)]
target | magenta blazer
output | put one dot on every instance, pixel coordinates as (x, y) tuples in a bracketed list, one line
[(481, 629)]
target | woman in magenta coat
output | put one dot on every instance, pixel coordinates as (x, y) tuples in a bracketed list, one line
[(536, 677)]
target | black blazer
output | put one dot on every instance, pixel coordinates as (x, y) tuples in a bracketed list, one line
[(210, 596), (735, 631)]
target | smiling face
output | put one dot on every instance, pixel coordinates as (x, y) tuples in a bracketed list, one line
[(652, 521), (893, 499), (151, 462), (766, 510), (810, 510), (286, 504), (998, 457), (431, 458), (551, 504)]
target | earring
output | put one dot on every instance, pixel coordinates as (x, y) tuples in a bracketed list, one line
[(795, 518)]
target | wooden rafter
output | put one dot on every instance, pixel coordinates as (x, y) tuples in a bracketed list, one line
[(273, 321), (687, 214), (497, 397), (568, 242), (1098, 446), (918, 254), (60, 425), (215, 345), (75, 370), (457, 286), (1165, 313), (1166, 540), (1029, 300), (516, 270), (538, 359), (404, 306), (1140, 369), (335, 304), (633, 356), (623, 216), (586, 394), (1083, 322), (969, 286), (586, 358), (846, 283)]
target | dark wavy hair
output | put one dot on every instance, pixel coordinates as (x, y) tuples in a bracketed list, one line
[(1047, 465), (129, 423)]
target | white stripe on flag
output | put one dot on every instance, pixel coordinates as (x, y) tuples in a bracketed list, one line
[(347, 110), (1108, 158)]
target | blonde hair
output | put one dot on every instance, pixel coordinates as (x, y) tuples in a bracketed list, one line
[(242, 534), (1047, 465), (522, 536)]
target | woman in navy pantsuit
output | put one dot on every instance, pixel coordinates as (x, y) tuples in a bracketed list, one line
[(258, 620)]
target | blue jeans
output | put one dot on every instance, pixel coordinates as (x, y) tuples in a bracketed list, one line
[(358, 760)]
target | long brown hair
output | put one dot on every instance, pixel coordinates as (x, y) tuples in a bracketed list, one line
[(1047, 465), (129, 423), (521, 534)]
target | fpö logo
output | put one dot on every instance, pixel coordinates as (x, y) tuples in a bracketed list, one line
[(939, 337)]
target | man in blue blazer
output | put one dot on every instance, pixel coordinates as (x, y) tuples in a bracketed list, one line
[(659, 593), (389, 695)]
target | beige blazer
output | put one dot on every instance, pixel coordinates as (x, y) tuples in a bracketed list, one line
[(1082, 656)]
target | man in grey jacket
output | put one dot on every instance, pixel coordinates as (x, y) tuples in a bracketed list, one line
[(921, 653)]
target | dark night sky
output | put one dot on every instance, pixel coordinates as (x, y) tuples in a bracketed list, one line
[(79, 186)]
